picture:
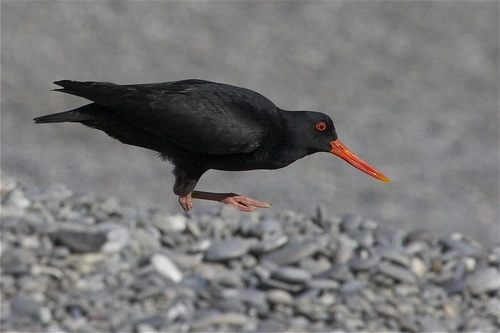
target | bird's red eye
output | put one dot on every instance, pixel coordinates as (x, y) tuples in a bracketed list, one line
[(321, 126)]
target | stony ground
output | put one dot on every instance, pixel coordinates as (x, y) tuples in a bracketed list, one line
[(72, 262)]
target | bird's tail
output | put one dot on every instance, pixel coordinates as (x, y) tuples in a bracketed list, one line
[(89, 112)]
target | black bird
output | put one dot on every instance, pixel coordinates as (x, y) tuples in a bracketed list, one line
[(201, 125)]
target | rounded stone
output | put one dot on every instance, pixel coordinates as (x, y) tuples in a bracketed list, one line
[(226, 249), (291, 274)]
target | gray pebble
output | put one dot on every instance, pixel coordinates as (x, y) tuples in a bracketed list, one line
[(291, 274), (275, 284), (24, 305), (359, 263), (166, 267), (278, 296), (170, 223), (345, 250), (397, 258), (309, 309), (323, 284), (351, 286), (454, 285), (80, 241), (118, 239), (226, 249), (350, 222), (397, 272), (315, 266), (460, 244), (16, 261), (291, 252), (270, 243), (486, 280)]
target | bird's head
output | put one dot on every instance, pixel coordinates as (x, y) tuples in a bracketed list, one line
[(317, 134)]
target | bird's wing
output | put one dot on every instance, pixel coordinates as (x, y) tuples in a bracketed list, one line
[(199, 116)]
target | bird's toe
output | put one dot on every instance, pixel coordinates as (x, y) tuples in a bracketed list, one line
[(186, 202), (243, 203)]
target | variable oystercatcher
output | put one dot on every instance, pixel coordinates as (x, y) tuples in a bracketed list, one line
[(201, 125)]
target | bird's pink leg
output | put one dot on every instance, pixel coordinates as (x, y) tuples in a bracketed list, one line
[(243, 203)]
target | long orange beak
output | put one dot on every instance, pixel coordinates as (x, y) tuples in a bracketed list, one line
[(341, 151)]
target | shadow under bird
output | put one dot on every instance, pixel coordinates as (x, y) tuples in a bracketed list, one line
[(201, 125)]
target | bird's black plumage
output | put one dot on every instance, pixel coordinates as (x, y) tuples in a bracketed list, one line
[(199, 125)]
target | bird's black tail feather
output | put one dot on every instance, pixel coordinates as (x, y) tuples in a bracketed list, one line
[(89, 112)]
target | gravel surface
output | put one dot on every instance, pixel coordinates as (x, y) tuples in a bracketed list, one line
[(73, 262), (412, 86)]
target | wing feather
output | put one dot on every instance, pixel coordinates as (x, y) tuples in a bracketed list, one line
[(200, 116)]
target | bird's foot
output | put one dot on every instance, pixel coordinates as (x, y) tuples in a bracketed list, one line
[(186, 202), (243, 203)]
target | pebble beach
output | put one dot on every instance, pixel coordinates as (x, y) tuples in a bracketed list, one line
[(73, 262)]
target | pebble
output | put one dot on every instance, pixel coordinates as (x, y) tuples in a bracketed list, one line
[(352, 286), (270, 243), (363, 264), (291, 274), (117, 240), (144, 270), (80, 241), (351, 222), (166, 267), (291, 253), (345, 250), (227, 249), (397, 272), (323, 284), (277, 296), (24, 305), (17, 261), (484, 281)]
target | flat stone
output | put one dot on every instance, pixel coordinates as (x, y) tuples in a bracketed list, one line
[(323, 284), (275, 284), (351, 222), (397, 258), (80, 241), (166, 267), (315, 266), (17, 261), (362, 264), (418, 267), (291, 274), (345, 249), (352, 286), (397, 272), (24, 305), (310, 309), (460, 245), (454, 285), (278, 296), (270, 243), (170, 223), (226, 249), (291, 252), (486, 280), (117, 240)]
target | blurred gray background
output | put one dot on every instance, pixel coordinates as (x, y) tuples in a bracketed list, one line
[(413, 88)]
